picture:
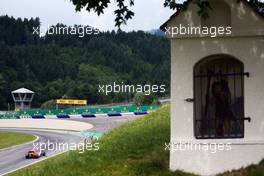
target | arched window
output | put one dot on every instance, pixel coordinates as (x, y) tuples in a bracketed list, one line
[(219, 97)]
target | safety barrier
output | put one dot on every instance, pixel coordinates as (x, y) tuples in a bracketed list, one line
[(140, 113), (85, 113), (38, 117), (106, 110), (63, 116), (88, 115), (113, 114), (9, 116)]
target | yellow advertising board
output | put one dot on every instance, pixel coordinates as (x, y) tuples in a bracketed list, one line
[(72, 102)]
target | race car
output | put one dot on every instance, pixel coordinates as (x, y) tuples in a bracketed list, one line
[(34, 154)]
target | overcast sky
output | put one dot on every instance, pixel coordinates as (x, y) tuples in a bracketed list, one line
[(149, 14)]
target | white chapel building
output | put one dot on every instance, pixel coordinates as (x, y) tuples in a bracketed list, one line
[(217, 87)]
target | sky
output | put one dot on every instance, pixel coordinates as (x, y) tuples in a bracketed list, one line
[(149, 14)]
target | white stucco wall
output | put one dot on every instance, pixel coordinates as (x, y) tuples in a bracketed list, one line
[(185, 53), (246, 44)]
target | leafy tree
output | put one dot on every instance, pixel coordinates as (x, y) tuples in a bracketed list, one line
[(123, 12)]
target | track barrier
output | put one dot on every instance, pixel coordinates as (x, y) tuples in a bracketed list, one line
[(140, 113), (113, 114), (88, 115), (38, 117), (63, 116), (85, 112)]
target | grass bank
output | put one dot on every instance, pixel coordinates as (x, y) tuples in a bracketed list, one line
[(8, 139), (134, 149)]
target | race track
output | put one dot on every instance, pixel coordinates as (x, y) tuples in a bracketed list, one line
[(14, 158)]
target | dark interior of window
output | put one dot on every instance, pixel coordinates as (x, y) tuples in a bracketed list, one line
[(219, 98)]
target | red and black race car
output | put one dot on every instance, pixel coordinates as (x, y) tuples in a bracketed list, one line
[(34, 154)]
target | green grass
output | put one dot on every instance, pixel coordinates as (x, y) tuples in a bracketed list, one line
[(8, 139), (134, 149), (253, 170)]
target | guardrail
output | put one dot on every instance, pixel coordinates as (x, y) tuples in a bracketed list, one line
[(88, 112)]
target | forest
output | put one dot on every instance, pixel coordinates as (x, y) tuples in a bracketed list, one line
[(69, 66)]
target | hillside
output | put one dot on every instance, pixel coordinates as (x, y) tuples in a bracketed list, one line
[(67, 65), (134, 149)]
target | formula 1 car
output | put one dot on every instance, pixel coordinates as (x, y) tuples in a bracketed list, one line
[(34, 154)]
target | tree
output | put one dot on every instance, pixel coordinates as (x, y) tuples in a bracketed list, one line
[(2, 89), (50, 104), (140, 99), (63, 64), (123, 12)]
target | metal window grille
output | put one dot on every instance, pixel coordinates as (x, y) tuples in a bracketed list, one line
[(219, 98)]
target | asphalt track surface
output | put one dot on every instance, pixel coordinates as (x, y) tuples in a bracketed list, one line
[(104, 124), (14, 157)]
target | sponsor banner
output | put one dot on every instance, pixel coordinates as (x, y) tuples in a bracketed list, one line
[(71, 102)]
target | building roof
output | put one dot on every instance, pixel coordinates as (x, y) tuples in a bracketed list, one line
[(162, 27), (22, 90)]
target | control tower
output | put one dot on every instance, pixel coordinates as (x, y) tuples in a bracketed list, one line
[(22, 98)]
